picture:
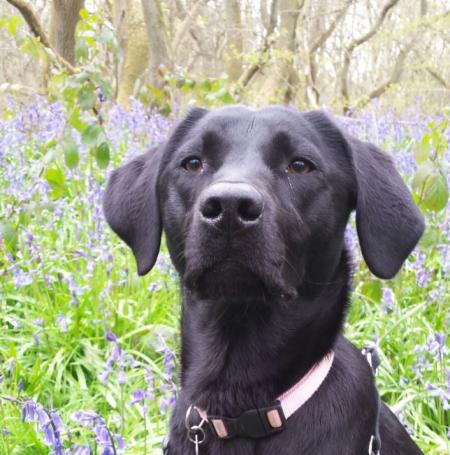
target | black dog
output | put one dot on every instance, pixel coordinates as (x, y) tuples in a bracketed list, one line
[(254, 204)]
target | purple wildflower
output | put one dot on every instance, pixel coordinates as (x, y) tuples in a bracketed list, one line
[(86, 418), (62, 322), (111, 337), (81, 450), (121, 377), (104, 375), (102, 435), (120, 442), (138, 396), (442, 394), (388, 300), (28, 411)]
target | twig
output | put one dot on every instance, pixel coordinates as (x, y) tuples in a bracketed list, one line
[(348, 51), (185, 25), (38, 31)]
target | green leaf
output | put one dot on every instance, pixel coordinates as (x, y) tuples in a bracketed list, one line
[(215, 86), (439, 142), (92, 136), (55, 178), (102, 155), (71, 155), (423, 149), (75, 120), (206, 85), (225, 96), (8, 234), (422, 173), (430, 238), (435, 192), (12, 24), (106, 89), (44, 148), (70, 94), (81, 49), (84, 14), (158, 94), (87, 97)]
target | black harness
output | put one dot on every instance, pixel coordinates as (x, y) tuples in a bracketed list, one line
[(252, 423)]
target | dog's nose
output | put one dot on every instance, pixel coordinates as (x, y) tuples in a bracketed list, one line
[(234, 203)]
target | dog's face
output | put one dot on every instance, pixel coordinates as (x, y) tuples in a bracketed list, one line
[(257, 202)]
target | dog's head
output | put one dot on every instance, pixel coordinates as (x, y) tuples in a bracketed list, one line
[(258, 200)]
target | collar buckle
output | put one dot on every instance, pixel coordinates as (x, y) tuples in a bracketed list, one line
[(254, 423)]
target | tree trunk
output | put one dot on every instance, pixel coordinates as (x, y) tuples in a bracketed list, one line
[(156, 31), (234, 39), (132, 32), (64, 19)]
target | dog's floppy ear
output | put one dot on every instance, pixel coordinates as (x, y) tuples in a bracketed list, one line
[(388, 222), (132, 210), (131, 203)]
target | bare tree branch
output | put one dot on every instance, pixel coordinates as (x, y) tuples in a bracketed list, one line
[(31, 19), (438, 77), (249, 73), (38, 31), (321, 39), (393, 79), (186, 25), (379, 22), (348, 51)]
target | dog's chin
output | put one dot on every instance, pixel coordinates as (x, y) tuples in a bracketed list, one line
[(234, 282)]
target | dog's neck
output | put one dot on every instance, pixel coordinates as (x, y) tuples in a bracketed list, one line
[(235, 355)]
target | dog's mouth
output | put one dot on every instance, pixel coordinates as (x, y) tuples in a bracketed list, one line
[(235, 280)]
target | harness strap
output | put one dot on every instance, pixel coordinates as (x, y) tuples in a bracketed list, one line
[(372, 357), (165, 445)]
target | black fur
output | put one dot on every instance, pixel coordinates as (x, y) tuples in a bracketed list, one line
[(264, 299)]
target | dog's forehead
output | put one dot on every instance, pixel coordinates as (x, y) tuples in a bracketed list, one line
[(246, 122)]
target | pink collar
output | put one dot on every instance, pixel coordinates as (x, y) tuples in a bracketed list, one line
[(300, 393), (289, 402)]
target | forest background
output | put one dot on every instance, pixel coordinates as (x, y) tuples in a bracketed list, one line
[(89, 352)]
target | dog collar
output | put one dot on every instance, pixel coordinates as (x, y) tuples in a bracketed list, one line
[(261, 422)]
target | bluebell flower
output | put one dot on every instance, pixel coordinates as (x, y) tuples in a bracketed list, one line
[(388, 300), (81, 450), (111, 337), (62, 322), (138, 396)]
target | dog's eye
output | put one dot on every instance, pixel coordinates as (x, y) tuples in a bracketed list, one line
[(300, 167), (192, 164)]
